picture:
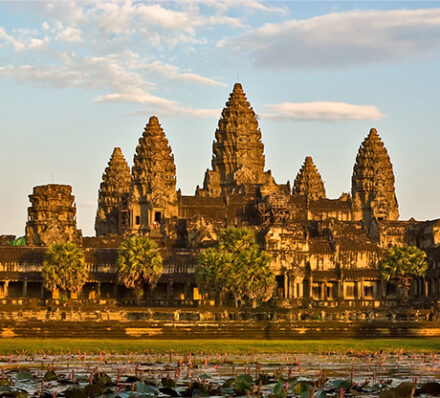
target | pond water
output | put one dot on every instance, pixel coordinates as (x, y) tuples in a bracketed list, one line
[(277, 375)]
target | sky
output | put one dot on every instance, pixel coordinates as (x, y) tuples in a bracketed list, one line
[(78, 78)]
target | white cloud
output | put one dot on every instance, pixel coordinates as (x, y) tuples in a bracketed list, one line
[(172, 72), (123, 75), (322, 111), (71, 35), (178, 110), (245, 5), (340, 40), (11, 40), (174, 23)]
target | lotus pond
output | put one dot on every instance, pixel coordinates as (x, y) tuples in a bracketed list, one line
[(202, 374)]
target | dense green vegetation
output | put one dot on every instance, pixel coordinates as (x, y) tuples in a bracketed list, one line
[(403, 263), (236, 267), (19, 345)]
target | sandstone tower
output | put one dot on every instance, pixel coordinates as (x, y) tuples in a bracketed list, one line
[(52, 216), (373, 182), (238, 153), (112, 214), (153, 196), (308, 181)]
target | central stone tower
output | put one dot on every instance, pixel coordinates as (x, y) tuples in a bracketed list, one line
[(238, 153), (153, 196)]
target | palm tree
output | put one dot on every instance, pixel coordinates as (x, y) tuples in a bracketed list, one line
[(139, 261), (64, 268), (403, 263)]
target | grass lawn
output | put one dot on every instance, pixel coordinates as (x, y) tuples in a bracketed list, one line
[(19, 345)]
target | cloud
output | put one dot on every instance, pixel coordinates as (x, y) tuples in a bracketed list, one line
[(11, 40), (157, 23), (245, 5), (179, 110), (341, 40), (71, 35), (172, 72), (124, 75), (322, 111)]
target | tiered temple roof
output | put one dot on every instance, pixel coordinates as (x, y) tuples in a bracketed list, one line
[(373, 181), (154, 177), (238, 153), (52, 216), (308, 182), (111, 217)]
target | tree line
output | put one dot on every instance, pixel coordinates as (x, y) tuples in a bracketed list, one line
[(235, 270)]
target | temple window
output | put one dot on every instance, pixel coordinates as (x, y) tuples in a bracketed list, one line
[(349, 290), (157, 216), (316, 291), (138, 220), (368, 291)]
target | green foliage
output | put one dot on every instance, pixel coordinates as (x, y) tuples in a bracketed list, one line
[(236, 266), (64, 268), (21, 241), (139, 261), (402, 262)]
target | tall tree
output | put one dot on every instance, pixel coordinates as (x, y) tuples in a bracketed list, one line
[(403, 263), (237, 266), (139, 262), (64, 268)]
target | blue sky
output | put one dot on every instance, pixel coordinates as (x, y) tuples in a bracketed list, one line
[(79, 78)]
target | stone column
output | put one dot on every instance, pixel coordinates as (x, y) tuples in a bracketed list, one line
[(340, 290), (311, 287), (5, 288), (24, 288), (170, 290), (98, 290), (301, 289), (324, 291), (286, 286), (375, 293)]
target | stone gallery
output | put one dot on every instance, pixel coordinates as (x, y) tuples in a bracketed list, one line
[(325, 252)]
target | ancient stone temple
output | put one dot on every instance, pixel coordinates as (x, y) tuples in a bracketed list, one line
[(112, 214), (325, 251), (238, 159), (153, 197), (373, 182), (308, 182), (52, 216)]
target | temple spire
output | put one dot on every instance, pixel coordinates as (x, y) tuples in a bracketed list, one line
[(153, 193), (238, 153), (308, 181), (112, 214), (373, 182)]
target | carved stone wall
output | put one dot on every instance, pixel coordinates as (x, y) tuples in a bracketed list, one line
[(112, 214), (153, 196), (52, 216), (373, 182)]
